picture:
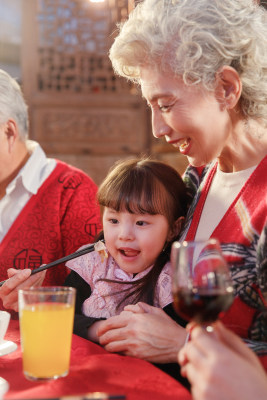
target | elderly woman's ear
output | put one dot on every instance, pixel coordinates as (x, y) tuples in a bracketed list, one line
[(228, 87), (11, 133)]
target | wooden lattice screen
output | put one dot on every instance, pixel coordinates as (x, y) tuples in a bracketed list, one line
[(79, 111)]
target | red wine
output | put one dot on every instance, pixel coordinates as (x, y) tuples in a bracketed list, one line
[(201, 306)]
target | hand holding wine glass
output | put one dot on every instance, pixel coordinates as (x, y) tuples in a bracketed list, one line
[(202, 286)]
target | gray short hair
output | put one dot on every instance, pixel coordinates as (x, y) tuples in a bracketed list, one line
[(12, 104), (194, 39)]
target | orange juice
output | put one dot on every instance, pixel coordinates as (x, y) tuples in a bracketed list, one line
[(46, 332)]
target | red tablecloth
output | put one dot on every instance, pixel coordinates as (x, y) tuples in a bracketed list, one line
[(92, 369)]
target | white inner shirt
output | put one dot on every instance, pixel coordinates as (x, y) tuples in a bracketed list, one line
[(24, 185), (224, 188)]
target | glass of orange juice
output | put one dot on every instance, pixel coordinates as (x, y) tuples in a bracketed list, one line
[(46, 323)]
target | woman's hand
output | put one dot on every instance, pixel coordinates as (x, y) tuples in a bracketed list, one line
[(18, 279), (220, 366), (143, 331)]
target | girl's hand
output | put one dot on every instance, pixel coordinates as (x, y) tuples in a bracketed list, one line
[(150, 334), (139, 308), (92, 331)]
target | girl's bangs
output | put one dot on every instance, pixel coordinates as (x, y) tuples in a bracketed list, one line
[(146, 197)]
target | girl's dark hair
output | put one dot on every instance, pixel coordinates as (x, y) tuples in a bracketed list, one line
[(145, 186)]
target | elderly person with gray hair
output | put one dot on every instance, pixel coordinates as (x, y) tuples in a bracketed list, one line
[(47, 208), (202, 68)]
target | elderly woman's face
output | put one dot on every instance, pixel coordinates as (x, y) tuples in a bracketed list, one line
[(190, 118)]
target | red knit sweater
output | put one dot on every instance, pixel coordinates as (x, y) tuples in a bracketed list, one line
[(61, 217)]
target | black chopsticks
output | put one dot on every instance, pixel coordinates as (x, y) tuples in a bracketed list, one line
[(85, 250)]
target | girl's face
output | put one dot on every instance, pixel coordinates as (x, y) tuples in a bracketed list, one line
[(134, 240), (190, 118)]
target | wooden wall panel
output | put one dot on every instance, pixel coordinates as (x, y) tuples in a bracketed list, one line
[(79, 111), (77, 106)]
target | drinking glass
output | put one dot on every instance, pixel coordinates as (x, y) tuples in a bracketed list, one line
[(202, 285), (46, 317)]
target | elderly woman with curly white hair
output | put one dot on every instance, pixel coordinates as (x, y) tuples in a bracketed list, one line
[(202, 68)]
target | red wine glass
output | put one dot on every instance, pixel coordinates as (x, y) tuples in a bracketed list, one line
[(202, 285)]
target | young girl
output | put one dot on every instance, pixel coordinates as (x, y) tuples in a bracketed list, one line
[(144, 203)]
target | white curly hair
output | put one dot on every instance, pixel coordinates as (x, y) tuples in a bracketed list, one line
[(12, 104), (194, 39)]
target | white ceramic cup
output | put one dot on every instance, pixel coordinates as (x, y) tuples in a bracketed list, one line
[(4, 386), (4, 321)]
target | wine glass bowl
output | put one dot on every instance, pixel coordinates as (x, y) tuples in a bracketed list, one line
[(202, 286)]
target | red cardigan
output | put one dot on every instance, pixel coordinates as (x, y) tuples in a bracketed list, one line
[(239, 232), (60, 218)]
